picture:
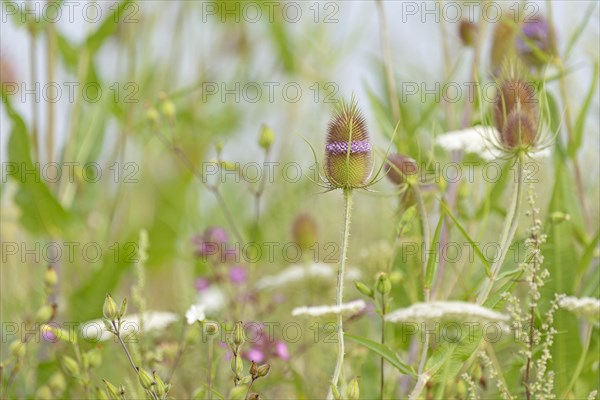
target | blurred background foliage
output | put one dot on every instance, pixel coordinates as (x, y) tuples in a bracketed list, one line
[(159, 51)]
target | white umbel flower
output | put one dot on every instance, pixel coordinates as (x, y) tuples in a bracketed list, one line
[(317, 311), (436, 311), (212, 299), (587, 307), (195, 314), (479, 140), (298, 272), (131, 324)]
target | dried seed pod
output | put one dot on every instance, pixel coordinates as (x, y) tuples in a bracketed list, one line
[(347, 149)]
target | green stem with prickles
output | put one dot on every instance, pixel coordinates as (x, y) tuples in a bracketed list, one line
[(340, 291), (508, 232)]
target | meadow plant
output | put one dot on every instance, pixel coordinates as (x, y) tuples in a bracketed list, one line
[(161, 234)]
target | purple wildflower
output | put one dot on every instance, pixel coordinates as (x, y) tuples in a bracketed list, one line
[(238, 274)]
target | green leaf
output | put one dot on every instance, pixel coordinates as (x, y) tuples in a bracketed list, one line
[(560, 258), (96, 39), (433, 254), (580, 28), (575, 144), (384, 351), (86, 302), (463, 231), (40, 211)]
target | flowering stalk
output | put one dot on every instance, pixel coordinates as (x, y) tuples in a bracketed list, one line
[(508, 232), (340, 290)]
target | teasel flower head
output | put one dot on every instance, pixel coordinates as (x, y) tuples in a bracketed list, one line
[(347, 149), (516, 111), (534, 43), (304, 231), (400, 168), (503, 41)]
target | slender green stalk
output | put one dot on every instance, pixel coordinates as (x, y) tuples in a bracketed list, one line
[(586, 346), (389, 70), (34, 104), (568, 120), (382, 381), (508, 232), (426, 233), (422, 380), (118, 334), (340, 291), (209, 366), (51, 54)]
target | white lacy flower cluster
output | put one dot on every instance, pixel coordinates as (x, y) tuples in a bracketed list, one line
[(435, 311), (317, 311), (299, 272), (587, 307), (130, 325), (480, 140)]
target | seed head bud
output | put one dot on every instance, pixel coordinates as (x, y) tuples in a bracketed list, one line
[(113, 391), (384, 285), (263, 370), (145, 379), (161, 388), (238, 334), (18, 348), (266, 138), (400, 168), (168, 108), (101, 394), (94, 357), (123, 308), (44, 313), (70, 365), (461, 389), (43, 393), (253, 370), (364, 289), (353, 390), (50, 277), (210, 327), (347, 148), (468, 32), (57, 382), (557, 217), (236, 365), (152, 115), (109, 309), (304, 231)]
